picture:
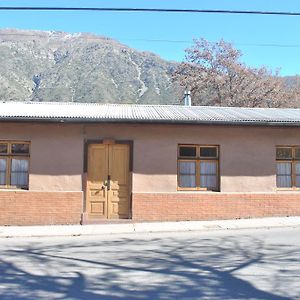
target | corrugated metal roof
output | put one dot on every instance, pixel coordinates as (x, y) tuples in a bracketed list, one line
[(90, 112)]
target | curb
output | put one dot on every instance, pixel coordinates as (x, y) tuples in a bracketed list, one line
[(121, 228)]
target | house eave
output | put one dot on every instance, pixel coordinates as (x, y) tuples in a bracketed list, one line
[(149, 121)]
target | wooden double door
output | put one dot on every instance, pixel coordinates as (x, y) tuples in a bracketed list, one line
[(108, 181)]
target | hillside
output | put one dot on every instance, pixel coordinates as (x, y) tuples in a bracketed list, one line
[(58, 66)]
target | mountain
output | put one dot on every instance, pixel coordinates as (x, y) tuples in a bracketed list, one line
[(58, 66)]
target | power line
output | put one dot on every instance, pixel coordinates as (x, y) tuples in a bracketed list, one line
[(157, 10), (191, 42), (271, 45)]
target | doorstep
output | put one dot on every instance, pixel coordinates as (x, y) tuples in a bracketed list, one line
[(88, 220)]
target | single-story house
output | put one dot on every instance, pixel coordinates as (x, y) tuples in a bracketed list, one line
[(71, 163)]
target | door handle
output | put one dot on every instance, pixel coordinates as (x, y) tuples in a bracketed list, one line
[(108, 183), (103, 188)]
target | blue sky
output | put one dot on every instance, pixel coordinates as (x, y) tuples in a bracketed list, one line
[(139, 30)]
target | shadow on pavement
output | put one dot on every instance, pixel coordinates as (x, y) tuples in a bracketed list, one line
[(156, 268)]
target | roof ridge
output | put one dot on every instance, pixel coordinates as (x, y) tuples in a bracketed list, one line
[(182, 108), (145, 105), (87, 103)]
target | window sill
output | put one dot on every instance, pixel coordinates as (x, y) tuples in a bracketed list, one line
[(12, 188), (196, 190), (288, 189)]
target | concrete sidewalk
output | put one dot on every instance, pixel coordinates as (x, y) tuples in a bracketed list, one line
[(77, 230)]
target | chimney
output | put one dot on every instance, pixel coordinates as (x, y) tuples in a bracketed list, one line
[(187, 98)]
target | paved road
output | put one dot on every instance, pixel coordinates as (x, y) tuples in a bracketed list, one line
[(235, 264)]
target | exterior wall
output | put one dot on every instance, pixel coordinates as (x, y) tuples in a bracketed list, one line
[(55, 176), (178, 207), (40, 208), (247, 167), (56, 154), (247, 154)]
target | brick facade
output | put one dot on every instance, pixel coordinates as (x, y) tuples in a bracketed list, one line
[(50, 208), (206, 206), (40, 208)]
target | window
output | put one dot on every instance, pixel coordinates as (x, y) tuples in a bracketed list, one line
[(14, 164), (288, 167), (198, 167)]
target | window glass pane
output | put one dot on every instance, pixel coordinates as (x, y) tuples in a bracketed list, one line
[(2, 171), (19, 172), (297, 174), (284, 168), (208, 152), (284, 175), (208, 167), (284, 181), (187, 167), (187, 174), (187, 181), (208, 174), (187, 151), (208, 181), (3, 148), (297, 168), (2, 164), (297, 153), (283, 153), (20, 148)]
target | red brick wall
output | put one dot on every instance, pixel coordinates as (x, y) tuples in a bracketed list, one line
[(184, 206), (40, 208)]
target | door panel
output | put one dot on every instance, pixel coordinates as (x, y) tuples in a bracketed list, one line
[(97, 175), (118, 204), (104, 162)]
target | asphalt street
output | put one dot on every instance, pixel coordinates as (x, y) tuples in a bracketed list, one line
[(227, 264)]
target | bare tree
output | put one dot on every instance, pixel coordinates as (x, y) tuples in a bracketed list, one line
[(216, 76)]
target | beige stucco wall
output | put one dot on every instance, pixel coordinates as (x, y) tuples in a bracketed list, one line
[(56, 154), (247, 154)]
